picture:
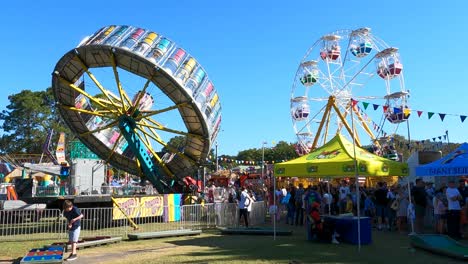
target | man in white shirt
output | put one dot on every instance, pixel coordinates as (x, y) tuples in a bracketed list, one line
[(454, 209), (344, 191), (244, 203)]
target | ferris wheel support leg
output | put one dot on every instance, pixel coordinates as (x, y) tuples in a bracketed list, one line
[(326, 128), (345, 123), (365, 126), (331, 102)]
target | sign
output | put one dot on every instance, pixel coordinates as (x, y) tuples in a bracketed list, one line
[(136, 207)]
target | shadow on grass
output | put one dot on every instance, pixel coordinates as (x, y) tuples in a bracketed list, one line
[(387, 247)]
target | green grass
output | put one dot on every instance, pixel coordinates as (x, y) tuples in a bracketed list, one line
[(211, 247)]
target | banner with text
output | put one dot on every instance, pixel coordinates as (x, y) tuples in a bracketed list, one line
[(136, 207)]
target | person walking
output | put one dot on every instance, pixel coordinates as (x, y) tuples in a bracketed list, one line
[(73, 216), (453, 216), (420, 202), (244, 203), (299, 205)]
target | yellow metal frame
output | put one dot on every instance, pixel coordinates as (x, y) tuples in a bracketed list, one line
[(331, 104), (134, 225), (115, 106)]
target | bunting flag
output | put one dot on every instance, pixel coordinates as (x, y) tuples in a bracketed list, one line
[(405, 111), (442, 116), (365, 104), (440, 138)]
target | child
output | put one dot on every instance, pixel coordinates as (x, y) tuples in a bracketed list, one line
[(73, 215), (411, 214), (440, 210)]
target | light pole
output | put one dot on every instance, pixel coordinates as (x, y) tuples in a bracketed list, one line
[(216, 153), (263, 157)]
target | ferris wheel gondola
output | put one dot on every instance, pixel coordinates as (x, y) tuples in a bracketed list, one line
[(337, 71)]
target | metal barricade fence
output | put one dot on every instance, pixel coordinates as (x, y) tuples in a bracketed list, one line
[(18, 225), (49, 224)]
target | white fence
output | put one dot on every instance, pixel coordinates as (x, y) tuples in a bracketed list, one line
[(49, 224)]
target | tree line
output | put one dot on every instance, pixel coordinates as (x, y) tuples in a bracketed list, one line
[(31, 114)]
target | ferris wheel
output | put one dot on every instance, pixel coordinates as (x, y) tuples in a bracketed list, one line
[(340, 69), (127, 91)]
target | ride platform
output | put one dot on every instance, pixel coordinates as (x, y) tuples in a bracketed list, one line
[(264, 231), (92, 242), (161, 234), (440, 244), (47, 254)]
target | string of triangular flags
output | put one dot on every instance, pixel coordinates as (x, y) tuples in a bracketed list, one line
[(247, 162), (397, 110)]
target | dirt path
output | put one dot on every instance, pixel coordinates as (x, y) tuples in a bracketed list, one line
[(91, 257)]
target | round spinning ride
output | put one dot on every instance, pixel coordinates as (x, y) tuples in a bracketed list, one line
[(339, 70), (127, 91)]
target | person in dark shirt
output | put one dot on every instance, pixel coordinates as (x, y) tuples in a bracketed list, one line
[(73, 216), (420, 202), (381, 202), (463, 191)]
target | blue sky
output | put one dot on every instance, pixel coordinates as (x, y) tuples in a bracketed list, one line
[(251, 50)]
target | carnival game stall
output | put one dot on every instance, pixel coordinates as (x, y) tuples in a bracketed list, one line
[(336, 159), (452, 165)]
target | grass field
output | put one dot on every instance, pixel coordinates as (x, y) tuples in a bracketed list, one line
[(211, 247)]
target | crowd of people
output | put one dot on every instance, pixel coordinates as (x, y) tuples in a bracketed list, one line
[(389, 207)]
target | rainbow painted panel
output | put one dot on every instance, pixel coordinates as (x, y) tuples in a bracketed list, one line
[(172, 207)]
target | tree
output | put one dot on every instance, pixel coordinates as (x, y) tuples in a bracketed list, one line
[(177, 142), (26, 121)]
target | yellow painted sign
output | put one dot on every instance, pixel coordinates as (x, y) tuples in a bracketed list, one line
[(136, 207)]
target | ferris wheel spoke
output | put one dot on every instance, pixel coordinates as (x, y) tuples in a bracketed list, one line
[(140, 96), (155, 112), (124, 99), (114, 147), (110, 125), (156, 156), (90, 97), (95, 113), (107, 102), (357, 74), (162, 128), (169, 147), (104, 91)]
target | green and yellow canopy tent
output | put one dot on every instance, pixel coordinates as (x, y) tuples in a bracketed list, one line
[(335, 159)]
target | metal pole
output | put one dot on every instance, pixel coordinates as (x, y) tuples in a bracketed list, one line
[(409, 186), (216, 156), (263, 157), (446, 133), (357, 178), (277, 207), (329, 197)]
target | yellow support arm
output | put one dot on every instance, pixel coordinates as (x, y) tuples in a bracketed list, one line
[(135, 226)]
